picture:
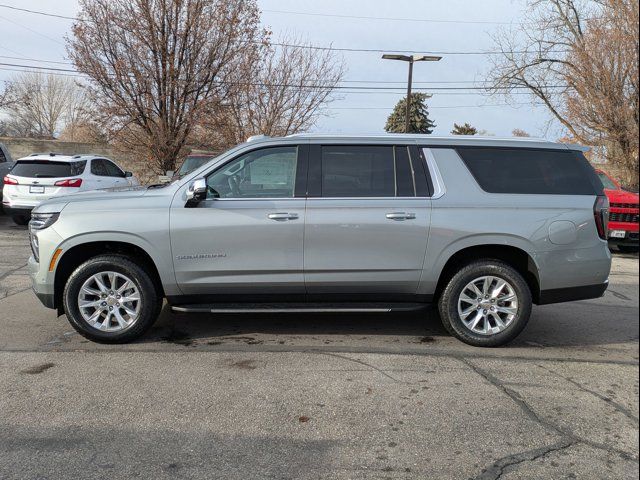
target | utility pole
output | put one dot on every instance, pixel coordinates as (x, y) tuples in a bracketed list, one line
[(411, 59)]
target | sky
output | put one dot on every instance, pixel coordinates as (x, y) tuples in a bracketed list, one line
[(420, 26)]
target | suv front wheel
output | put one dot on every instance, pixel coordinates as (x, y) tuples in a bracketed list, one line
[(110, 299), (486, 304)]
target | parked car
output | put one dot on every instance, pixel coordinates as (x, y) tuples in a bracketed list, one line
[(623, 216), (39, 177), (482, 227), (5, 164)]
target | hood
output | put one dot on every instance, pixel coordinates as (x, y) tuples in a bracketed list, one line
[(56, 204), (621, 196)]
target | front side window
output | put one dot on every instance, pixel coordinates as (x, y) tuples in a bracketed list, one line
[(265, 173), (112, 169), (358, 171)]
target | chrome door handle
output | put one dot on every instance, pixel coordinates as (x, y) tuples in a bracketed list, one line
[(401, 216), (283, 216)]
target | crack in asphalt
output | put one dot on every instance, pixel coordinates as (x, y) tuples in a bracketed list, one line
[(506, 464), (14, 293), (617, 406), (9, 272), (567, 437), (354, 360)]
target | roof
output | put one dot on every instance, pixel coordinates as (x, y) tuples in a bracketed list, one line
[(428, 140), (59, 157)]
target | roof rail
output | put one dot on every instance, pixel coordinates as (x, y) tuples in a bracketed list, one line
[(253, 138), (51, 154)]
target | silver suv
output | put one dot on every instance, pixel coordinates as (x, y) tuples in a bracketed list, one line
[(482, 227)]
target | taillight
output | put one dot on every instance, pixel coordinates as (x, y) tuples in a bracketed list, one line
[(10, 181), (72, 182), (601, 215)]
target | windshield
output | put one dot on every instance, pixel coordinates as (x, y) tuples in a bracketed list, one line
[(607, 182), (47, 169), (192, 162)]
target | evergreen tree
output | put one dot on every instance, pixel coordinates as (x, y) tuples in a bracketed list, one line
[(419, 121), (465, 129)]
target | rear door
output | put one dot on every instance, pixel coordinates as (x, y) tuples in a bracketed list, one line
[(246, 237), (367, 221)]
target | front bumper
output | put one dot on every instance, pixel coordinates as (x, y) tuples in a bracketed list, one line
[(630, 239), (41, 283)]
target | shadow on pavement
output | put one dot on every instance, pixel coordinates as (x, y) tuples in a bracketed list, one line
[(550, 326)]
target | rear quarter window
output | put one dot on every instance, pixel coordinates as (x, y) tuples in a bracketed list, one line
[(46, 169), (530, 171)]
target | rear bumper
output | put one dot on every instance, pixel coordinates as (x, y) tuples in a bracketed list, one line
[(16, 210), (559, 295)]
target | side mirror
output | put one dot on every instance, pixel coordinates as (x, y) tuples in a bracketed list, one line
[(128, 174), (196, 192)]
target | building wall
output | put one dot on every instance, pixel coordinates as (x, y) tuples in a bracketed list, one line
[(21, 147)]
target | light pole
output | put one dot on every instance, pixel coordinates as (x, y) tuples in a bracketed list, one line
[(411, 59)]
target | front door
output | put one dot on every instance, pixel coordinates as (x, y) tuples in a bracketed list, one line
[(368, 215), (246, 238)]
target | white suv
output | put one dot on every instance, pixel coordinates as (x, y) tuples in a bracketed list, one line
[(39, 177)]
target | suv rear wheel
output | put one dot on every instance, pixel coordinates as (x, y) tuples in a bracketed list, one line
[(486, 304), (110, 299)]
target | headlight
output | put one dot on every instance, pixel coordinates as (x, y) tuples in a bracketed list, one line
[(39, 221)]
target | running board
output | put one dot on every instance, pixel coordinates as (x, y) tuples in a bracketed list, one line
[(297, 307)]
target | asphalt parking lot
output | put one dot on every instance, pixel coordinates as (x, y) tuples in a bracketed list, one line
[(318, 396)]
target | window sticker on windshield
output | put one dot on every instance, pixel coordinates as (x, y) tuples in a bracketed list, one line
[(271, 171)]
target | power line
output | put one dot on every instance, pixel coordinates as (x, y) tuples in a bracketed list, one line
[(308, 86), (442, 107), (31, 30), (319, 47), (393, 19), (35, 60), (36, 12), (286, 12)]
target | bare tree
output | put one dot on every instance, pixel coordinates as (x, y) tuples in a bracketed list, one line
[(154, 64), (518, 132), (41, 105), (580, 58), (283, 91)]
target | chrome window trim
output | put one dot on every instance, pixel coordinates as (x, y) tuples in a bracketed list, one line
[(253, 199), (439, 188)]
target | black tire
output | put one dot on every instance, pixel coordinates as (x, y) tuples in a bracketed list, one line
[(448, 303), (20, 219), (628, 248), (151, 301)]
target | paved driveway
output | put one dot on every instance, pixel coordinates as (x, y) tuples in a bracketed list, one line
[(318, 396)]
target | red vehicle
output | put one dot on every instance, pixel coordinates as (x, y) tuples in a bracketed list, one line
[(623, 216)]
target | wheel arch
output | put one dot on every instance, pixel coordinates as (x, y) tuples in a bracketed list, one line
[(516, 256), (74, 256)]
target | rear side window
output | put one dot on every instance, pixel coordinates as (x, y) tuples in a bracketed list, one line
[(46, 169), (358, 171), (529, 171)]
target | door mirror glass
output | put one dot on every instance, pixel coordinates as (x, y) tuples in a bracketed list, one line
[(128, 174), (196, 192)]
